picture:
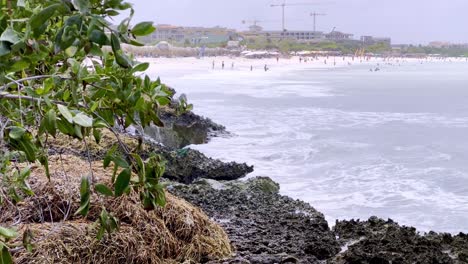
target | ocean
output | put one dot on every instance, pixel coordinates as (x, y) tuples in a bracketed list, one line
[(351, 142)]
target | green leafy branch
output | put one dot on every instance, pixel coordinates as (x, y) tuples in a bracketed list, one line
[(63, 71)]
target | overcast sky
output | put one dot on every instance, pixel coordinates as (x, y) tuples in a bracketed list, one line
[(405, 21)]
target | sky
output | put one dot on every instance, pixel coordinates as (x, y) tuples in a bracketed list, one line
[(405, 21)]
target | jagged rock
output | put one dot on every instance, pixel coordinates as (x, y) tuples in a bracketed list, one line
[(184, 165), (384, 241), (263, 226), (183, 130), (188, 165)]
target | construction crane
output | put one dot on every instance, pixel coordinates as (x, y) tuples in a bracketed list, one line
[(315, 15), (284, 5)]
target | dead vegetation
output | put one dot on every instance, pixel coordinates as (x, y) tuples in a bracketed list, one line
[(177, 233)]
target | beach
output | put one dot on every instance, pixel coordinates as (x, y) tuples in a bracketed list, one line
[(351, 142)]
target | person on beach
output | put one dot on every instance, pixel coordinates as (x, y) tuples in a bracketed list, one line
[(300, 59), (232, 66), (222, 65), (266, 68), (213, 65), (251, 68), (277, 58)]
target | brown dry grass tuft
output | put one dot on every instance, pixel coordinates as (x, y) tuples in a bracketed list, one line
[(174, 234)]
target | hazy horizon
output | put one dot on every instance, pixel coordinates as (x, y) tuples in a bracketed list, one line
[(417, 22)]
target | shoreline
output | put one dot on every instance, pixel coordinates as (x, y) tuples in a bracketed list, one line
[(326, 204)]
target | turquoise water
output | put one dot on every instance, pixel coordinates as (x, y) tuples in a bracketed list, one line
[(351, 142)]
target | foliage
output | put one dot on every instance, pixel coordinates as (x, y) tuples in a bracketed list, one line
[(291, 45), (63, 70)]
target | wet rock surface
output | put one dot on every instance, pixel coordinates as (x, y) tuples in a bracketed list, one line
[(184, 129), (264, 226), (183, 165), (187, 165), (384, 241)]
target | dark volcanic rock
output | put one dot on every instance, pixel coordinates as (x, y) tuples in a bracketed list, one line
[(380, 241), (187, 165), (183, 165), (183, 130), (264, 226)]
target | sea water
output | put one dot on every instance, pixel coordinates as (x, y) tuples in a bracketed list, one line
[(351, 142)]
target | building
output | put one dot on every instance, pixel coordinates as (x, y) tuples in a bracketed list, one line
[(338, 36), (299, 35), (370, 40), (192, 35), (255, 28), (202, 35), (168, 33)]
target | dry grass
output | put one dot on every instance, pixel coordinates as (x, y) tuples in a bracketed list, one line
[(177, 233)]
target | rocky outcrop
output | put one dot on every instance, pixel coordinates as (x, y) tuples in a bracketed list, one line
[(184, 129), (266, 227), (187, 165), (384, 241), (263, 226), (183, 165)]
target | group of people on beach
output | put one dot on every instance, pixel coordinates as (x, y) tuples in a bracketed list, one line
[(387, 61), (265, 68)]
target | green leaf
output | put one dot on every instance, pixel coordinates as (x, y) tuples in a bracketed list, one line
[(143, 29), (16, 132), (4, 48), (84, 207), (5, 257), (81, 5), (122, 182), (140, 67), (96, 51), (19, 66), (65, 127), (99, 37), (119, 161), (140, 168), (106, 162), (112, 13), (115, 43), (78, 131), (122, 59), (65, 113), (51, 122), (97, 135), (83, 120), (11, 36), (100, 233), (85, 196), (25, 173), (71, 51), (104, 190), (25, 145), (160, 196), (8, 233), (136, 43), (45, 162), (38, 20)]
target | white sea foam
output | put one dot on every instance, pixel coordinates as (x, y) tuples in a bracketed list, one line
[(330, 139)]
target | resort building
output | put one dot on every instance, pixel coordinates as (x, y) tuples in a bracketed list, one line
[(369, 40), (192, 35)]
